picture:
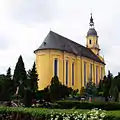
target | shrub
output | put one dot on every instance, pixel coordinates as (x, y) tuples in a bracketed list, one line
[(67, 104), (9, 113)]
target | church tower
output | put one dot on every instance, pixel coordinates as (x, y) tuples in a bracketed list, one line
[(92, 38)]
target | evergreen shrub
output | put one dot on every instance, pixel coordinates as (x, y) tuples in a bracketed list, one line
[(68, 104)]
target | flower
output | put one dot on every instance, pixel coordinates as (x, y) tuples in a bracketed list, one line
[(94, 114)]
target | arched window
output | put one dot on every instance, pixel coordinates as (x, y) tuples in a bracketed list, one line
[(56, 67), (85, 74), (96, 75), (91, 71), (66, 72), (73, 73), (101, 73), (90, 42)]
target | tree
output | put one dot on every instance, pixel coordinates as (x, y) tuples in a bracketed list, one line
[(110, 78), (33, 79), (9, 81), (91, 89), (5, 86), (27, 97), (106, 88), (115, 93), (100, 87), (82, 91), (115, 87), (55, 88), (20, 77), (117, 81), (32, 85), (8, 75)]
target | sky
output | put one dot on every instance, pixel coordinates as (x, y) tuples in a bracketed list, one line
[(25, 23)]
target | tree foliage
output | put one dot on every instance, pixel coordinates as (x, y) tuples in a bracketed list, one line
[(55, 88), (33, 79), (27, 97), (55, 91), (20, 77), (6, 86), (90, 89), (106, 85), (31, 87), (115, 87), (82, 91)]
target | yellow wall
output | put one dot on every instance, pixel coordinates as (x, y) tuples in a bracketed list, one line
[(45, 68)]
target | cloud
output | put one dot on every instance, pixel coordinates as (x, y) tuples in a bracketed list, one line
[(25, 23), (4, 42), (29, 11)]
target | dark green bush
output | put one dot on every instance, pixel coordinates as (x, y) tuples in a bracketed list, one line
[(68, 104)]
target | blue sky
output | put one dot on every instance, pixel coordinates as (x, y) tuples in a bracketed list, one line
[(25, 23)]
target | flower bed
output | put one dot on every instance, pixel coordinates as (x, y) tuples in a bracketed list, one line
[(94, 114)]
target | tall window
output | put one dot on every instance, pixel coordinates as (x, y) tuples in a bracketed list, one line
[(85, 73), (91, 71), (101, 73), (67, 72), (97, 75), (72, 73), (90, 41), (56, 67)]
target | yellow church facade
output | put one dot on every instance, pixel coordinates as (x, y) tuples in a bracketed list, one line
[(73, 63)]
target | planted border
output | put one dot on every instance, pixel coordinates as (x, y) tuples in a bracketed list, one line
[(19, 113), (67, 104)]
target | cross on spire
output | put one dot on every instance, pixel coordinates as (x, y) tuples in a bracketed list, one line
[(91, 21)]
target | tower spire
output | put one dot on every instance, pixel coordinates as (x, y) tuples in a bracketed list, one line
[(91, 21)]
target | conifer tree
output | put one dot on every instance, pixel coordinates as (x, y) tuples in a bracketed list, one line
[(8, 75), (90, 89), (33, 78), (55, 88), (32, 86), (6, 86), (9, 81), (20, 77)]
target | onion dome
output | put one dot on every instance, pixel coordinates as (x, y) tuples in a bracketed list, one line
[(92, 32)]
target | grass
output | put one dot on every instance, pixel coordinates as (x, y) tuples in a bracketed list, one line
[(114, 113)]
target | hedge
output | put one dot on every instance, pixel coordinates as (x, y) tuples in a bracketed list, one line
[(67, 104), (19, 113)]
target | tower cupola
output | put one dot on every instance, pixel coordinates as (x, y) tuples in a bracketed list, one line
[(91, 31), (92, 38)]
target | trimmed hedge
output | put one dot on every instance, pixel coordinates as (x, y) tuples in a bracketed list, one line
[(10, 113), (20, 113), (67, 104)]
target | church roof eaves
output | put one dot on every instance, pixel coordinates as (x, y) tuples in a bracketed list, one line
[(57, 42)]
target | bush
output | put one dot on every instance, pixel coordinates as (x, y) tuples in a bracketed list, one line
[(9, 113), (67, 104)]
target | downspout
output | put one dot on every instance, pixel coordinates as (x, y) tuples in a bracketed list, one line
[(63, 67), (81, 71), (94, 73)]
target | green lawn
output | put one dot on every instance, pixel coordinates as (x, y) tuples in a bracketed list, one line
[(114, 113)]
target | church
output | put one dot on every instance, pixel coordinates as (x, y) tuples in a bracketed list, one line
[(73, 63)]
